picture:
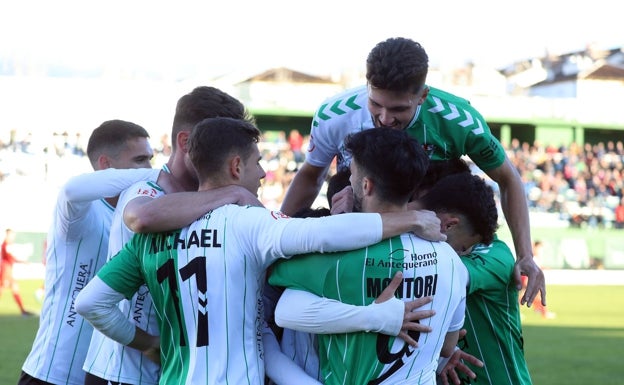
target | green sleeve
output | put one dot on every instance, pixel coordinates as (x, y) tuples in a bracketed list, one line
[(123, 272), (449, 126), (484, 149), (303, 272)]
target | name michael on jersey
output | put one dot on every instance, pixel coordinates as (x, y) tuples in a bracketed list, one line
[(170, 241)]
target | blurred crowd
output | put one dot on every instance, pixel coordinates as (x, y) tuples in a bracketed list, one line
[(583, 186)]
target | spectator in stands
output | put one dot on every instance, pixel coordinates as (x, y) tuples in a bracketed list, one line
[(295, 141)]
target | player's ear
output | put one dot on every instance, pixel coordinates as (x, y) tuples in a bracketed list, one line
[(423, 97), (236, 165), (182, 139), (449, 222), (367, 186), (103, 162)]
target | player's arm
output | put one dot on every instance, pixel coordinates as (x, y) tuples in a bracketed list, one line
[(453, 359), (423, 223), (346, 231), (426, 227), (176, 210), (280, 368), (97, 303), (307, 312), (304, 188), (449, 368), (513, 203), (104, 183), (450, 341)]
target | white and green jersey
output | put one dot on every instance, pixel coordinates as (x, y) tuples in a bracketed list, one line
[(302, 348), (357, 278), (77, 245), (493, 317), (206, 282), (446, 126), (106, 358)]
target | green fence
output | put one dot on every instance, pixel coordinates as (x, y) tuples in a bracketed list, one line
[(31, 244), (577, 248)]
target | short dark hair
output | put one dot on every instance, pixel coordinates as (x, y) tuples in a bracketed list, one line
[(397, 64), (309, 212), (392, 159), (469, 195), (205, 102), (438, 169), (111, 137), (212, 140)]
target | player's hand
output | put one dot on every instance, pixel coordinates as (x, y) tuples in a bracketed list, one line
[(536, 282), (244, 197), (456, 363), (342, 201), (153, 354), (427, 226), (148, 344), (168, 183), (415, 205), (411, 318)]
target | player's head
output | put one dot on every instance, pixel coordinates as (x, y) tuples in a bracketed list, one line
[(396, 70), (437, 170), (201, 103), (466, 207), (397, 64), (386, 166), (9, 235), (119, 144), (225, 151)]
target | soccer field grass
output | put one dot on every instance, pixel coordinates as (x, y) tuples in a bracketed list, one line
[(582, 345)]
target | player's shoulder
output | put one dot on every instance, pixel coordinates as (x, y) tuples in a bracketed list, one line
[(496, 245), (445, 102), (247, 211), (446, 251), (145, 188), (443, 109), (343, 103), (447, 96), (349, 93), (436, 249), (497, 250)]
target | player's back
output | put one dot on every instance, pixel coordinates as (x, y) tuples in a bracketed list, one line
[(358, 277), (206, 284), (492, 301)]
